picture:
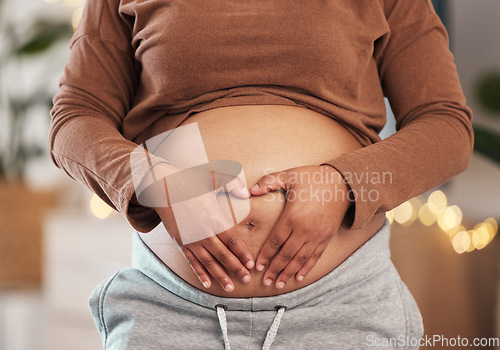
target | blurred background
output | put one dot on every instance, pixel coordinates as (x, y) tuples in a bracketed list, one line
[(57, 241)]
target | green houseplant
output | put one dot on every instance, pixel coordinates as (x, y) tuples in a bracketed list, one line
[(487, 141), (41, 37)]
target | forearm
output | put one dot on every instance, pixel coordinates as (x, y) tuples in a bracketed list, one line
[(94, 153), (421, 156)]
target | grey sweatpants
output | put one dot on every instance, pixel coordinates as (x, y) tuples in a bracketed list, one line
[(362, 304)]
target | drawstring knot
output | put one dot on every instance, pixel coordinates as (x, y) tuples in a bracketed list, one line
[(271, 333)]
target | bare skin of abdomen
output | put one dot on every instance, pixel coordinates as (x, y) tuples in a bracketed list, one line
[(267, 139)]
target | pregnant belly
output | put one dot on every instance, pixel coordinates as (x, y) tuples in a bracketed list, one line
[(266, 139)]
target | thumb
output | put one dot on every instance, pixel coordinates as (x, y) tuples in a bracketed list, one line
[(270, 182), (237, 188)]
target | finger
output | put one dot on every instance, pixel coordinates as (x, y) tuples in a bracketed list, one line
[(213, 267), (311, 262), (278, 236), (238, 188), (236, 245), (281, 260), (227, 259), (197, 267), (270, 182), (297, 262), (226, 233)]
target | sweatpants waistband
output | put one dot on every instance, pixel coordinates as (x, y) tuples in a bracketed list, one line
[(367, 261)]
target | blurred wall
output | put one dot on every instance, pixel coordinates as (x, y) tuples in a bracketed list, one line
[(475, 39)]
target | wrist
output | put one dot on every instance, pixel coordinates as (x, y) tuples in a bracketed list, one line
[(343, 192), (334, 177)]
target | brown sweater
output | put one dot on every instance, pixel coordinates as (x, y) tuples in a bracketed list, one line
[(133, 62)]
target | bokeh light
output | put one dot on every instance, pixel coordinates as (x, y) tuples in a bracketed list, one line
[(494, 226), (452, 232), (461, 242), (480, 237), (437, 202), (403, 213), (490, 230), (99, 208), (471, 246), (426, 216), (390, 216), (450, 218)]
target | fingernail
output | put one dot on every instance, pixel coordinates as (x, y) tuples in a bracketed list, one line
[(255, 187), (300, 278), (205, 284), (267, 282), (280, 284), (250, 264), (228, 287), (245, 191), (246, 278), (260, 267)]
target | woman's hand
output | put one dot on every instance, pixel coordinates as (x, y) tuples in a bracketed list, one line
[(205, 236), (317, 201)]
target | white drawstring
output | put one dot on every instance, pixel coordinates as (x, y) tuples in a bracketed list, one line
[(271, 333), (273, 330), (221, 314)]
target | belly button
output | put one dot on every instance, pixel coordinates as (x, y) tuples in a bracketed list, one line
[(250, 226)]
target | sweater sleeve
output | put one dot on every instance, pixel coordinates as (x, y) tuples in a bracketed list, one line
[(434, 138), (96, 92)]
